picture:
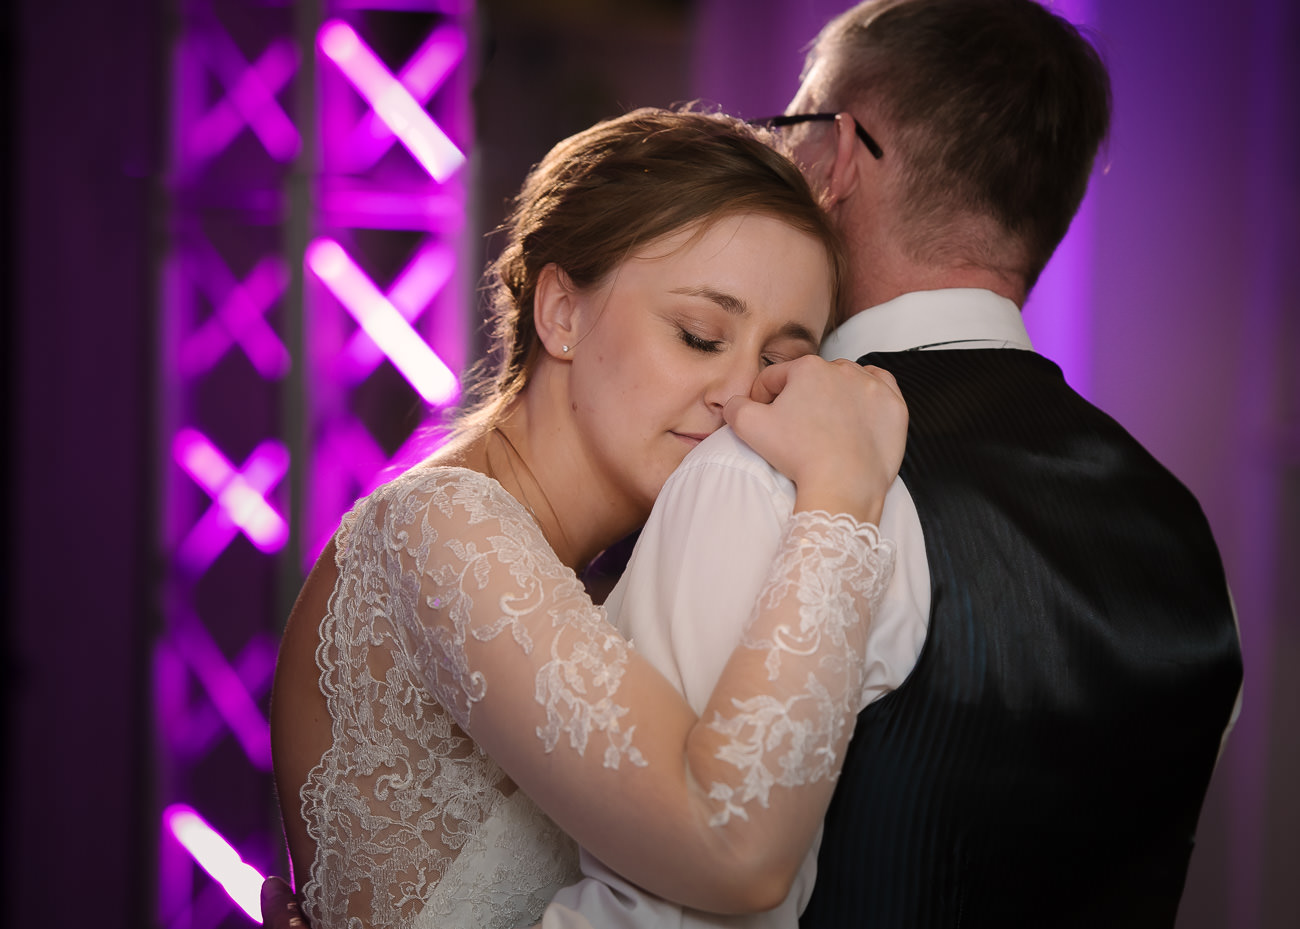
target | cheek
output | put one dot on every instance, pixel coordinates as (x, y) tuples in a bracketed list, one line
[(640, 377)]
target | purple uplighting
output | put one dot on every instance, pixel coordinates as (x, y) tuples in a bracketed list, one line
[(383, 322), (391, 100), (410, 294), (250, 97), (1059, 311), (239, 317), (225, 689), (425, 71), (239, 497), (379, 201), (217, 857), (233, 229), (233, 691)]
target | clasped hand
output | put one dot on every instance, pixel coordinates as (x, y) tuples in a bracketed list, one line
[(835, 428)]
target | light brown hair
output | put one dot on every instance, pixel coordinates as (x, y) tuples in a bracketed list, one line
[(606, 192), (996, 109)]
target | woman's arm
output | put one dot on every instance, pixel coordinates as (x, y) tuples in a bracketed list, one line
[(715, 812)]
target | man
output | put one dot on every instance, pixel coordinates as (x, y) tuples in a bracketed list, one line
[(1056, 660), (1045, 762)]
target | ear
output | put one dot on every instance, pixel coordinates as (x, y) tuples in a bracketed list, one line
[(556, 312), (844, 174)]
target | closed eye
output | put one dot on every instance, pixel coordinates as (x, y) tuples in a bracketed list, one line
[(775, 358), (709, 346)]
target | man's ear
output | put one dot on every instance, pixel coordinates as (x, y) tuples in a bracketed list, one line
[(555, 312), (843, 177)]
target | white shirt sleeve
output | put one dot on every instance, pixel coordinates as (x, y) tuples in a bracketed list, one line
[(701, 561), (688, 590), (684, 599)]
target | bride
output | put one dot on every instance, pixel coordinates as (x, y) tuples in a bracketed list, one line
[(444, 678)]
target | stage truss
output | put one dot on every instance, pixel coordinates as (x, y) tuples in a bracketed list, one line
[(314, 314)]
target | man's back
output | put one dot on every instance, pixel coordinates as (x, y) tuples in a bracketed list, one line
[(1045, 763)]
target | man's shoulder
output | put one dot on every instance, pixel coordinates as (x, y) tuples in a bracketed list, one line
[(724, 451)]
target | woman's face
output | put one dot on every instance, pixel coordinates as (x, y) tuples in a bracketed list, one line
[(679, 328)]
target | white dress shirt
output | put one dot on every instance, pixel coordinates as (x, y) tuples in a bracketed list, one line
[(703, 556)]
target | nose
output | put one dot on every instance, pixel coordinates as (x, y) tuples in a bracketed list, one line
[(733, 375)]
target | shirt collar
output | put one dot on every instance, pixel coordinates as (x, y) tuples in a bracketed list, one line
[(953, 318)]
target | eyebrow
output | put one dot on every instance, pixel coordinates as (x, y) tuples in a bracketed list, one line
[(734, 306), (729, 302)]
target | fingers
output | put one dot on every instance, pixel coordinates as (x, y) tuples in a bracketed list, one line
[(732, 411), (279, 906), (770, 382), (882, 375), (835, 428), (746, 417)]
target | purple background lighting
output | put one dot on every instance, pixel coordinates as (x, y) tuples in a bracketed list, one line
[(171, 162), (383, 323), (218, 857), (250, 100), (238, 497), (238, 319), (388, 291), (225, 688), (415, 286), (232, 698), (392, 101), (426, 71)]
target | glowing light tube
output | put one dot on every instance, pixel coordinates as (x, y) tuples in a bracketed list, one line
[(409, 353), (391, 101), (217, 857)]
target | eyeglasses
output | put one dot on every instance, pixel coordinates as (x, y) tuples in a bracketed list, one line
[(776, 122)]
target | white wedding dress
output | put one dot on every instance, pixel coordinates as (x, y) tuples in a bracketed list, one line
[(445, 584)]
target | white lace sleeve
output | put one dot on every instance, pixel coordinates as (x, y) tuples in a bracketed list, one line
[(515, 646), (486, 620), (496, 611), (833, 570)]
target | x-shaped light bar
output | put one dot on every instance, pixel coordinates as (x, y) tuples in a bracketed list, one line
[(225, 688), (233, 688), (239, 498), (238, 316), (410, 294), (383, 322), (249, 99), (422, 75), (391, 100)]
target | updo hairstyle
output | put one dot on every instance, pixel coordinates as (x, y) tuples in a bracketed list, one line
[(600, 195)]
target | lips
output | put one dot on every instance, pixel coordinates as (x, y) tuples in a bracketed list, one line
[(692, 438)]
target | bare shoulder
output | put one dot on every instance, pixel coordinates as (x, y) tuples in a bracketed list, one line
[(300, 720)]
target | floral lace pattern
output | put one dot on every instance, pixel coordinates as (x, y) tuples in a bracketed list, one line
[(448, 601), (506, 875), (403, 790), (836, 569)]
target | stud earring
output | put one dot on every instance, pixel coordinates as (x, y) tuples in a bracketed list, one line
[(565, 349)]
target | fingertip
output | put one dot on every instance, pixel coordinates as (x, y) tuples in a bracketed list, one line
[(731, 409), (273, 889)]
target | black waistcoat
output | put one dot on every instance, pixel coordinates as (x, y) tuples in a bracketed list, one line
[(1045, 762)]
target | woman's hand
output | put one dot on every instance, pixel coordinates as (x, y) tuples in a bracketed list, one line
[(835, 428), (280, 908)]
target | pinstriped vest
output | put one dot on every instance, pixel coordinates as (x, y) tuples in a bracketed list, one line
[(1044, 764)]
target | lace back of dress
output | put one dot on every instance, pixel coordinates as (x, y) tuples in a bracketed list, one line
[(403, 791)]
